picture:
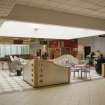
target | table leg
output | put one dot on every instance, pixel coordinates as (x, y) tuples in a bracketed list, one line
[(2, 65), (81, 73), (74, 75)]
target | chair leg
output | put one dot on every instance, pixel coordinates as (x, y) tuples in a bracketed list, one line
[(74, 75), (78, 73), (84, 75), (81, 74), (89, 75)]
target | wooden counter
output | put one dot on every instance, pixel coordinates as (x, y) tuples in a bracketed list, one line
[(42, 73)]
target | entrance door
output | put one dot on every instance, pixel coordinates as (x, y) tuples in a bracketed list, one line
[(87, 50)]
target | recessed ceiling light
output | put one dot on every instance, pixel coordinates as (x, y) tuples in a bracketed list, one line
[(36, 29)]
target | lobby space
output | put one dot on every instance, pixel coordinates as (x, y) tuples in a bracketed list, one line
[(52, 52), (93, 76), (15, 91)]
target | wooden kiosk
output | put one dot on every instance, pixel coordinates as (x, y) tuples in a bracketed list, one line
[(39, 73)]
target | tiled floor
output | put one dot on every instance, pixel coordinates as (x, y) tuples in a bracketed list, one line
[(12, 83), (16, 83), (85, 93), (81, 93)]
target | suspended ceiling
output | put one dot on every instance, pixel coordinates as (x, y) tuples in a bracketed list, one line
[(6, 7), (92, 8)]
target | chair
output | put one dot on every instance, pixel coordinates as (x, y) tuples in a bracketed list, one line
[(75, 69), (86, 71), (14, 65)]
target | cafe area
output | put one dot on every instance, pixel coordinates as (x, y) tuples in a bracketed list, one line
[(33, 63)]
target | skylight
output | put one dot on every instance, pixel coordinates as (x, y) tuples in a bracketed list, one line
[(34, 30)]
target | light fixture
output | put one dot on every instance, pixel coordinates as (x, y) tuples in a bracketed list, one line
[(36, 29)]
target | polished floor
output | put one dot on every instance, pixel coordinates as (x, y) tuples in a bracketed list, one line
[(90, 92), (84, 93), (12, 83), (16, 83)]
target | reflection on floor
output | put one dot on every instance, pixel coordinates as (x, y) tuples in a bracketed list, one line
[(85, 93), (12, 83)]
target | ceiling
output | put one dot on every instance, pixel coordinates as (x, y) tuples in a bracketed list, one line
[(35, 30), (6, 6), (92, 8)]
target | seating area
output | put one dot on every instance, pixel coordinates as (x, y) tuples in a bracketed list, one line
[(83, 69), (11, 75), (91, 75), (76, 66), (16, 63)]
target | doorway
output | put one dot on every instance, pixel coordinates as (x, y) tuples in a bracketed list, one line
[(87, 50)]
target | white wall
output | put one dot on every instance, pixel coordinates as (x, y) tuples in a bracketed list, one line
[(82, 42), (96, 43), (100, 44)]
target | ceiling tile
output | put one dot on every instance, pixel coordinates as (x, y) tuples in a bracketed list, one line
[(6, 7), (92, 8)]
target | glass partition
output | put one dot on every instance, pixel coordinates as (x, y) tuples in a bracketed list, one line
[(13, 49)]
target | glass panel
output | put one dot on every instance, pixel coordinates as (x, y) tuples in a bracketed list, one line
[(13, 49), (2, 50), (7, 50), (18, 49)]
